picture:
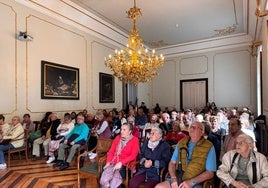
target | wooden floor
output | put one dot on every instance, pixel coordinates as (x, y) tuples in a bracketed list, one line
[(38, 174)]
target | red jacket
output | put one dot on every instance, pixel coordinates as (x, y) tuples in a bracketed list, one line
[(128, 153)]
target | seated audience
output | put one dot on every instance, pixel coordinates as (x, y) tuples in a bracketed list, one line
[(246, 126), (84, 112), (45, 122), (118, 122), (16, 132), (136, 129), (47, 133), (102, 128), (199, 117), (157, 109), (130, 106), (223, 122), (213, 138), (229, 141), (124, 149), (4, 127), (213, 107), (73, 116), (165, 123), (215, 128), (27, 123), (144, 108), (185, 125), (216, 141), (193, 161), (63, 130), (244, 167), (155, 154), (140, 118), (149, 125), (90, 120), (173, 115), (77, 137), (175, 135), (190, 115)]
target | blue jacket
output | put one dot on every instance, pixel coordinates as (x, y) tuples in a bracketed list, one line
[(82, 130), (160, 156)]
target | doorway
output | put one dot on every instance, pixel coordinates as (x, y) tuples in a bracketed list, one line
[(130, 93), (194, 93)]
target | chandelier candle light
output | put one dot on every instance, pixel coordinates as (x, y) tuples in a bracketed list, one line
[(134, 64)]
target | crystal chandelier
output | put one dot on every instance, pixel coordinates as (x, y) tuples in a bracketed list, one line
[(134, 64)]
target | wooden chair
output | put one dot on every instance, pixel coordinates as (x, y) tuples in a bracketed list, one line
[(208, 183), (131, 166), (37, 125), (23, 148), (92, 169), (143, 138)]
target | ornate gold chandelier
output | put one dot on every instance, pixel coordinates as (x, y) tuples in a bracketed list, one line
[(134, 64)]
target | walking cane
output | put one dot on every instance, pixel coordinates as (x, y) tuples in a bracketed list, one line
[(179, 170)]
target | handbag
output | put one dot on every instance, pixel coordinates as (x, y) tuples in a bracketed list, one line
[(35, 135)]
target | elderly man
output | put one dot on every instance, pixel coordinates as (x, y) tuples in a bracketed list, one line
[(244, 167), (77, 137), (193, 161), (234, 131), (16, 132)]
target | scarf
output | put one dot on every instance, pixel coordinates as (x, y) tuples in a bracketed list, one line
[(152, 145), (123, 142)]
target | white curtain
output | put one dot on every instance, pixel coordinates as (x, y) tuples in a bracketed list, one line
[(194, 94)]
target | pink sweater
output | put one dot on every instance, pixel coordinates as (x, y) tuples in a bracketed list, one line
[(128, 153)]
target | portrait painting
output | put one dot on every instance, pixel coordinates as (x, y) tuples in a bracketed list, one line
[(59, 81), (106, 88)]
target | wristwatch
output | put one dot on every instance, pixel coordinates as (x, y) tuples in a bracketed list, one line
[(193, 182)]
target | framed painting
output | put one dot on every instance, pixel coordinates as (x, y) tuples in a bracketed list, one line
[(106, 88), (59, 81)]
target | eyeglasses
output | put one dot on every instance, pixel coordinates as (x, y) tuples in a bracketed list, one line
[(194, 127), (152, 133), (240, 143)]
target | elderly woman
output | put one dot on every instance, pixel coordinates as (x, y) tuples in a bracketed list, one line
[(175, 135), (16, 132), (102, 128), (155, 154), (124, 149), (244, 167)]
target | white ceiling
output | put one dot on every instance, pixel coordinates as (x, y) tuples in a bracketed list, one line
[(173, 22)]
